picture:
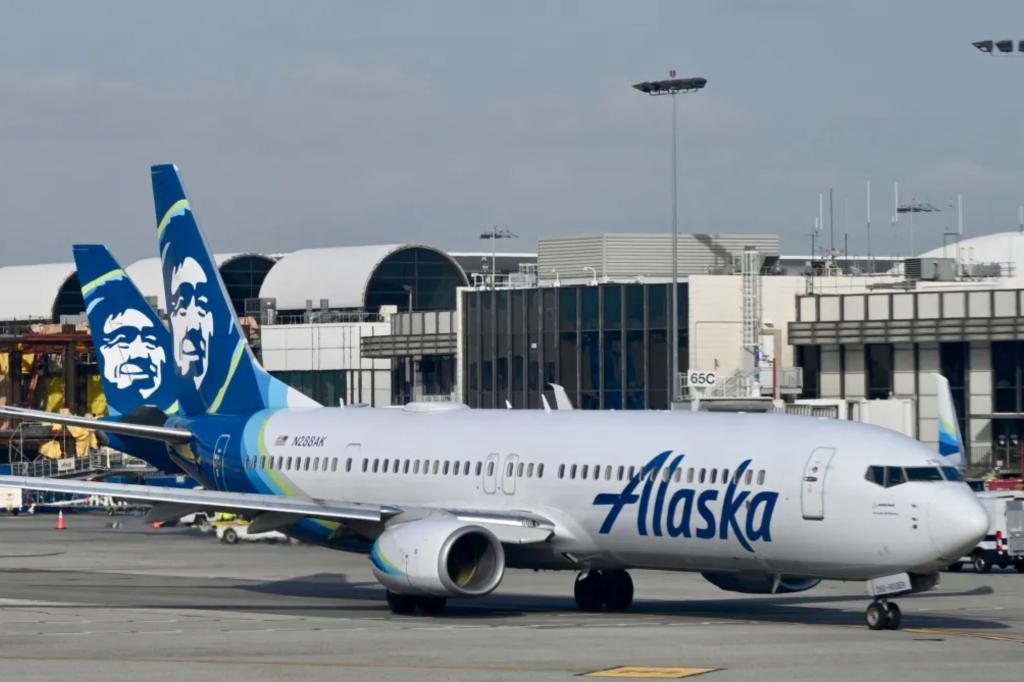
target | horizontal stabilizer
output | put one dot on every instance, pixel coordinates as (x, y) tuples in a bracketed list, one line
[(161, 433)]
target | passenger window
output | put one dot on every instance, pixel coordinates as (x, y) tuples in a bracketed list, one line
[(608, 473), (479, 468), (316, 464), (876, 475), (725, 475), (384, 466), (749, 477), (678, 475), (348, 465), (405, 466), (288, 464), (572, 471), (689, 475), (632, 473), (529, 470), (622, 472), (597, 472), (445, 469), (334, 464), (540, 471), (583, 472), (703, 475), (437, 465), (466, 467), (521, 470), (714, 475), (665, 475), (893, 476), (760, 477), (416, 466), (376, 465), (561, 471), (490, 468), (365, 464), (652, 474)]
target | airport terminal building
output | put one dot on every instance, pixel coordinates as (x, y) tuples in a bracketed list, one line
[(388, 324)]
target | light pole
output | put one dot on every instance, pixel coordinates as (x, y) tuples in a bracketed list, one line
[(494, 235), (673, 86)]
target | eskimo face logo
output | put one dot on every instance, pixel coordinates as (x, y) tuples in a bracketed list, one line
[(746, 515), (191, 319), (132, 355)]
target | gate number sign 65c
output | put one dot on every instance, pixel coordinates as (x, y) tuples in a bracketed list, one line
[(696, 378)]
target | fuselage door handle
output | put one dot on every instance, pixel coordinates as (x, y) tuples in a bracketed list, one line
[(810, 479)]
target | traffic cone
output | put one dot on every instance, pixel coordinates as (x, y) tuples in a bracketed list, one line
[(60, 520)]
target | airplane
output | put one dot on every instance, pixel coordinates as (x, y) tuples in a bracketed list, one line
[(444, 499)]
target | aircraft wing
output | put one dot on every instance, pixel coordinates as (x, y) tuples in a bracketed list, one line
[(161, 433), (213, 500), (512, 528)]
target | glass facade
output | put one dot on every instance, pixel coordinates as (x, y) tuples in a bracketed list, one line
[(1007, 362), (243, 277), (69, 299), (809, 358), (326, 387), (878, 365), (607, 345), (427, 275), (954, 357)]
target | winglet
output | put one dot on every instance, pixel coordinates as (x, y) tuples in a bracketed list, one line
[(951, 442), (562, 401)]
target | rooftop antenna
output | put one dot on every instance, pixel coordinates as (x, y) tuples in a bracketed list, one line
[(831, 223), (871, 262)]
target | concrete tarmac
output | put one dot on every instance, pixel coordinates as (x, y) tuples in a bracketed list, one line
[(96, 602)]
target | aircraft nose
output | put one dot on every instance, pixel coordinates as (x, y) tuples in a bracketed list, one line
[(956, 521)]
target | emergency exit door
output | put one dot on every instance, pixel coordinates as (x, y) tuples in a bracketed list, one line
[(812, 489), (219, 453)]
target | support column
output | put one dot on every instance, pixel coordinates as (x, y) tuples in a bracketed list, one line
[(927, 401), (830, 383), (979, 401)]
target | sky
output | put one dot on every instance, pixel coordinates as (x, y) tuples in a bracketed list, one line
[(303, 124)]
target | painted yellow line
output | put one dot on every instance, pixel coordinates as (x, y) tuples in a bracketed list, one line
[(646, 672), (1015, 637)]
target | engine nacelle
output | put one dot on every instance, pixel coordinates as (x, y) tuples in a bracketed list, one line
[(438, 557), (759, 583)]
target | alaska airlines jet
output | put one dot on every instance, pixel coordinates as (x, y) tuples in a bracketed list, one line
[(444, 499)]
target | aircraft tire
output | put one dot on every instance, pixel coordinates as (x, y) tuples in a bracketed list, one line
[(894, 617), (618, 590), (981, 564), (431, 606), (589, 590), (401, 604), (876, 616)]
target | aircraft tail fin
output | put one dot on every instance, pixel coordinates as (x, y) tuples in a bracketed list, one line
[(133, 347), (951, 442), (216, 371)]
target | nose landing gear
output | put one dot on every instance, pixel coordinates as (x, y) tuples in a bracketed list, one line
[(883, 614), (611, 589)]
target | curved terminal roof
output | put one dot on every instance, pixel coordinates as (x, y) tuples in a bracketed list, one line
[(30, 292), (1001, 247), (342, 275)]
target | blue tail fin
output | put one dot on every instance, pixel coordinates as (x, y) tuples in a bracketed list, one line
[(216, 371), (133, 348), (951, 442)]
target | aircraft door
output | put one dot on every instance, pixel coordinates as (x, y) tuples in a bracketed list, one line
[(812, 490), (508, 475), (490, 474), (219, 452)]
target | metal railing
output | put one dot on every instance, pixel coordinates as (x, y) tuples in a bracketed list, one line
[(327, 317)]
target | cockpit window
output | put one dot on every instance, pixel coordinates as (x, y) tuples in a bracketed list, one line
[(890, 476), (952, 474), (923, 474), (876, 475)]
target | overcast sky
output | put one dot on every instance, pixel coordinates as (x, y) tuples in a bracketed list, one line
[(299, 124)]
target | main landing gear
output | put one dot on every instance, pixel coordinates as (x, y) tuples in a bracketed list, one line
[(882, 614), (611, 589), (406, 604)]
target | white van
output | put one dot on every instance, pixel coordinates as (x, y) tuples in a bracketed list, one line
[(1003, 546)]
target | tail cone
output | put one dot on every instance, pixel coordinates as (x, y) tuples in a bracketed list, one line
[(60, 520)]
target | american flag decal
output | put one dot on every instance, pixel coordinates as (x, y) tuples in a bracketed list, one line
[(281, 440)]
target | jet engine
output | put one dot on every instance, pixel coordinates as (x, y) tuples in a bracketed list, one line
[(759, 583), (438, 557)]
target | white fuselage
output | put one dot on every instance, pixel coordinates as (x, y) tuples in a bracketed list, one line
[(802, 505)]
